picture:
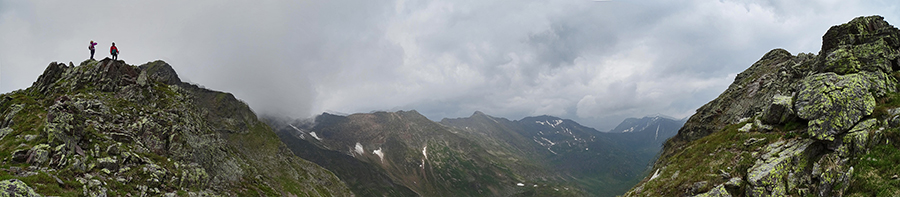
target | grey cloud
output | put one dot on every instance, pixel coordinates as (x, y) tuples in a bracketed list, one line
[(595, 62)]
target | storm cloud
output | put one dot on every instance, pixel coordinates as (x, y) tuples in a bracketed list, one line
[(596, 62)]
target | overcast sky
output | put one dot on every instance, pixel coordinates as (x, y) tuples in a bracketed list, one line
[(596, 62)]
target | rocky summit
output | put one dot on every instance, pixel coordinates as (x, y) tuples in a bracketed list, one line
[(106, 128), (823, 124)]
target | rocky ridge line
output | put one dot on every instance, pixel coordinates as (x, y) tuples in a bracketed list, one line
[(106, 128), (794, 125)]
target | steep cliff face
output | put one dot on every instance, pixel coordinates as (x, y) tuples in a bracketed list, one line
[(105, 128), (799, 125)]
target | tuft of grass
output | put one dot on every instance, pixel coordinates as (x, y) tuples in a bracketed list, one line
[(875, 171), (889, 101)]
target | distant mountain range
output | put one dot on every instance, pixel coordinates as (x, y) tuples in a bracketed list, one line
[(403, 153)]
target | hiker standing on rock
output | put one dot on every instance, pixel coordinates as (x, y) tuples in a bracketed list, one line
[(114, 51), (91, 47)]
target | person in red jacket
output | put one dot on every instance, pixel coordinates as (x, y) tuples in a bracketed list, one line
[(91, 47), (114, 51)]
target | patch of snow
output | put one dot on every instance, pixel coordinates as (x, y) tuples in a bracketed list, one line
[(551, 142), (315, 136), (379, 153), (657, 133), (551, 123), (302, 136), (359, 149), (655, 175), (534, 186), (424, 153), (520, 184), (295, 128)]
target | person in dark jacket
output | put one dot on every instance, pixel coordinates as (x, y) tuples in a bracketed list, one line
[(91, 47), (114, 51)]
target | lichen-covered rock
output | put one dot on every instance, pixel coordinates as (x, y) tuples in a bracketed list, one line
[(5, 131), (734, 183), (857, 139), (833, 103), (109, 163), (863, 44), (718, 191), (696, 187), (746, 128), (39, 154), (16, 188), (6, 120), (830, 171), (770, 175)]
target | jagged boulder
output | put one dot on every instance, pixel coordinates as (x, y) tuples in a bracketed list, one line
[(833, 103), (159, 71), (863, 44), (779, 111), (52, 73)]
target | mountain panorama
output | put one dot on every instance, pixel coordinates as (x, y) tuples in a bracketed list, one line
[(790, 125)]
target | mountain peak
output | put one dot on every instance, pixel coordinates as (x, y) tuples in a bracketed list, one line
[(124, 127)]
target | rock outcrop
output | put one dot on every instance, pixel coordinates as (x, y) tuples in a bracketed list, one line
[(808, 124), (106, 128)]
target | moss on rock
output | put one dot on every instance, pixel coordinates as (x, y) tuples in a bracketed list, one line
[(16, 188), (833, 103)]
